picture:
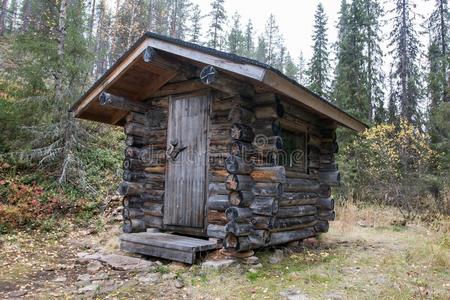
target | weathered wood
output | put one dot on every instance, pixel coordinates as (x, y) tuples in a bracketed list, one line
[(329, 147), (267, 189), (324, 191), (150, 209), (293, 223), (137, 129), (218, 202), (238, 182), (296, 211), (216, 231), (131, 188), (122, 103), (228, 103), (264, 206), (300, 198), (132, 213), (182, 87), (155, 140), (262, 222), (266, 98), (242, 132), (264, 144), (239, 114), (332, 178), (325, 167), (238, 229), (314, 140), (160, 169), (325, 203), (269, 111), (238, 165), (257, 239), (239, 148), (301, 185), (152, 119), (266, 127), (184, 203), (217, 188), (269, 174), (322, 226), (283, 237), (217, 80), (216, 217), (142, 177), (134, 225), (238, 214), (298, 174), (240, 198), (154, 208), (153, 195), (291, 123), (326, 215)]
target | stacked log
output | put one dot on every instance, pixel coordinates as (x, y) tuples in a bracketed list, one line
[(144, 169)]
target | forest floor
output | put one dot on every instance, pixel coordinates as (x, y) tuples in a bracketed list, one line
[(363, 256)]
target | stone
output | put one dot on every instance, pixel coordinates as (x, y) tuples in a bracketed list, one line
[(276, 257), (16, 294), (217, 265), (333, 295), (169, 276), (380, 280), (84, 257), (293, 294), (60, 279), (100, 276), (179, 284), (252, 260), (126, 263), (84, 277), (257, 266), (150, 278), (94, 266), (89, 288)]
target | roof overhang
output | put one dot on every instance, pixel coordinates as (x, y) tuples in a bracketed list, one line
[(87, 108)]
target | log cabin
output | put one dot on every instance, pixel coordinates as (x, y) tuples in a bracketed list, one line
[(221, 150)]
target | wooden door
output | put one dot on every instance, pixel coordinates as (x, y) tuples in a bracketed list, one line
[(186, 181)]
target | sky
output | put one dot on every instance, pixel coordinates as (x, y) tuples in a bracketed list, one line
[(295, 18)]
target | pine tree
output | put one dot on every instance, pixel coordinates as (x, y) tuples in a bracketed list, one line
[(235, 37), (216, 28), (405, 51), (438, 56), (179, 15), (249, 46), (273, 40), (102, 39), (319, 65), (195, 19)]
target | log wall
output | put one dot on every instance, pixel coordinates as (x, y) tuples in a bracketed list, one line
[(144, 168), (252, 200)]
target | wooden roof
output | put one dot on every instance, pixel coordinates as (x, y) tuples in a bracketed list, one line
[(131, 77)]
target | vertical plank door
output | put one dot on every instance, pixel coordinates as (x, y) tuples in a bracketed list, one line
[(186, 182)]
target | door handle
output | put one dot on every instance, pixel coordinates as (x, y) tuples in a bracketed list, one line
[(173, 150)]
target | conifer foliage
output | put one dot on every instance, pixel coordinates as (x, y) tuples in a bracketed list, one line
[(319, 65)]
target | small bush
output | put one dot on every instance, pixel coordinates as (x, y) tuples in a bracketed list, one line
[(395, 165)]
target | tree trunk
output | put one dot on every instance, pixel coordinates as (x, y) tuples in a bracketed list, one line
[(58, 74), (3, 16)]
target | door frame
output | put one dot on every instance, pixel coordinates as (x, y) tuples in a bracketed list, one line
[(196, 231)]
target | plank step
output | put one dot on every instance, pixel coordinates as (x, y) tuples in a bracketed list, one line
[(166, 245)]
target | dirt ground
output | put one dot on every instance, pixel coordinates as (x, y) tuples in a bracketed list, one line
[(363, 256)]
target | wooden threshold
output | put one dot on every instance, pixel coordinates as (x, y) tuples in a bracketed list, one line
[(166, 245)]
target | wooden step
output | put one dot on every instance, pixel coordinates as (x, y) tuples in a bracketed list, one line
[(166, 245)]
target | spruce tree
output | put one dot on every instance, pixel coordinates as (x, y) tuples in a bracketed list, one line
[(290, 68), (438, 55), (218, 19), (319, 65), (3, 13), (374, 59), (179, 15), (405, 45), (249, 46), (261, 50), (196, 18), (13, 7), (235, 37)]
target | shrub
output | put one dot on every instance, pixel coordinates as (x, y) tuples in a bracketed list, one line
[(394, 165)]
